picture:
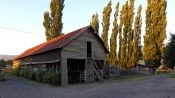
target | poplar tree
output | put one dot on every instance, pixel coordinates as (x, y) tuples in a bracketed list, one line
[(161, 25), (129, 51), (53, 21), (106, 23), (155, 32), (120, 39), (123, 31), (126, 35), (137, 32), (113, 40), (47, 25), (95, 23)]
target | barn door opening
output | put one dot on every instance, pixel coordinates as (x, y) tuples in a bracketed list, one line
[(76, 69), (89, 49)]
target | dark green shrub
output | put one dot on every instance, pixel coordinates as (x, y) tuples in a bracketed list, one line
[(31, 75), (40, 75), (51, 77), (56, 79), (16, 71), (48, 76), (24, 72)]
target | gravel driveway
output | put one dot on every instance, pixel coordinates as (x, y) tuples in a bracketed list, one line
[(159, 86)]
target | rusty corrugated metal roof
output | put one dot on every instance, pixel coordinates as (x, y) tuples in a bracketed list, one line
[(55, 43)]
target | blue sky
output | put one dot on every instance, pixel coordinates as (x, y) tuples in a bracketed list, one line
[(27, 15)]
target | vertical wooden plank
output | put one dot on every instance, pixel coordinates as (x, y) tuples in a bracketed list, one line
[(64, 72)]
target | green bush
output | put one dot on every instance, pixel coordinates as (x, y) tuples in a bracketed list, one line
[(31, 75), (51, 77), (39, 75), (16, 71), (24, 73), (56, 79)]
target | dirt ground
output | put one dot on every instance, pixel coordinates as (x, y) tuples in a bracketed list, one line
[(159, 86)]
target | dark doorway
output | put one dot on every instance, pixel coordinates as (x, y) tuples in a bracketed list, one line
[(76, 69), (89, 49)]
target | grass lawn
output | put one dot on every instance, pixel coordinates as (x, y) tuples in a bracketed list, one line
[(133, 77)]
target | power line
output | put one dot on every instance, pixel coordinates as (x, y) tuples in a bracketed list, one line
[(13, 29)]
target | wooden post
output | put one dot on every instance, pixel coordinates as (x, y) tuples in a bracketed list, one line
[(64, 72)]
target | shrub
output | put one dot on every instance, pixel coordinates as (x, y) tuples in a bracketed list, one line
[(40, 75), (24, 73), (16, 71), (31, 75), (51, 77), (56, 79)]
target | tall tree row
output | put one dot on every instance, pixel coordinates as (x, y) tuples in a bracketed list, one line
[(127, 54), (113, 39), (126, 36), (123, 37), (155, 32), (136, 38), (53, 21), (129, 50), (95, 23), (106, 23)]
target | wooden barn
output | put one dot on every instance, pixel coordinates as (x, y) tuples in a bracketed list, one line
[(79, 56)]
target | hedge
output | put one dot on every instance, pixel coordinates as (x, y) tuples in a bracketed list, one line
[(50, 76)]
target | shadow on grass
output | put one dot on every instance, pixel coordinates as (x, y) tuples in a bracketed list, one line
[(133, 77)]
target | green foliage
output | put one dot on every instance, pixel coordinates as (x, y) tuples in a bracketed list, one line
[(155, 32), (24, 73), (39, 75), (152, 63), (2, 63), (169, 53), (31, 75), (51, 77), (47, 26), (53, 21), (16, 71), (113, 40), (95, 23), (106, 23)]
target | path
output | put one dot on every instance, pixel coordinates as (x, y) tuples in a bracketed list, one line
[(160, 86)]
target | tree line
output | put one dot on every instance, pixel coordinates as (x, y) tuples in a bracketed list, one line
[(125, 40), (3, 63), (127, 30)]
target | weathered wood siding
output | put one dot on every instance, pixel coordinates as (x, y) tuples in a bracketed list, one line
[(77, 48), (89, 72), (47, 56)]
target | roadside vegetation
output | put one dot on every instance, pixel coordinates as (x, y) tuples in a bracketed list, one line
[(49, 77)]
